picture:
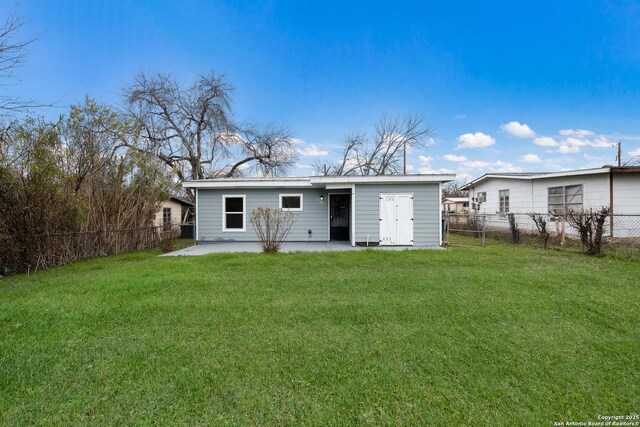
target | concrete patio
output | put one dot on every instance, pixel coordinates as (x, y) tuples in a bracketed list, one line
[(231, 247)]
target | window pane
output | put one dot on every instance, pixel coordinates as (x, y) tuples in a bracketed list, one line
[(556, 209), (291, 202), (233, 204), (556, 200), (234, 221), (556, 190)]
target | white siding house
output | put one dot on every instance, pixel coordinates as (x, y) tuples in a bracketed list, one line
[(553, 193)]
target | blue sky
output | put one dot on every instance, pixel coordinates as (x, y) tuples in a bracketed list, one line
[(509, 86)]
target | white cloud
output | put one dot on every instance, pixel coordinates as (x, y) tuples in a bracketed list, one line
[(567, 149), (429, 142), (429, 169), (410, 168), (531, 158), (460, 116), (517, 129), (297, 141), (592, 158), (425, 160), (475, 140), (454, 158), (545, 141), (635, 153), (578, 133), (497, 166), (312, 151)]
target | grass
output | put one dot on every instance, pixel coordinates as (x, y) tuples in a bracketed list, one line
[(494, 336)]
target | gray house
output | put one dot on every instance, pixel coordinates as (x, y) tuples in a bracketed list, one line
[(399, 210)]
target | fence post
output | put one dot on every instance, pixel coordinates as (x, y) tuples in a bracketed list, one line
[(514, 228)]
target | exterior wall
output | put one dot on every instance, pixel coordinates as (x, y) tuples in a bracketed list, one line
[(519, 195), (314, 215), (626, 193), (176, 213), (426, 211)]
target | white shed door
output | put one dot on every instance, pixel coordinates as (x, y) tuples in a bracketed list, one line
[(396, 219)]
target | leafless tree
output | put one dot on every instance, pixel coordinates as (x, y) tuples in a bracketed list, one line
[(272, 227), (12, 55), (590, 225), (192, 130), (541, 224), (454, 189), (384, 153)]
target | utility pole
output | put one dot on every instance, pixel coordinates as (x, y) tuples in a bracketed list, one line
[(619, 153), (404, 145)]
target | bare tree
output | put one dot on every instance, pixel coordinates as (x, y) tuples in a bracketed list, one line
[(192, 131), (12, 54), (591, 227), (454, 189), (541, 224), (384, 153), (272, 227)]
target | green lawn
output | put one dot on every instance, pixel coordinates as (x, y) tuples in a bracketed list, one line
[(496, 336)]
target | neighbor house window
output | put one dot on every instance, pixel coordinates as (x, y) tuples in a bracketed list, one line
[(564, 199), (482, 197), (504, 201), (166, 218), (233, 213), (291, 202)]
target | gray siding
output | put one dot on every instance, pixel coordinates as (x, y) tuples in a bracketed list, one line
[(313, 217), (426, 211)]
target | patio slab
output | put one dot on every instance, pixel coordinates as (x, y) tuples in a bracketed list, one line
[(233, 247)]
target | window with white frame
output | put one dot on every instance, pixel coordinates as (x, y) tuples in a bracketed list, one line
[(233, 212), (564, 199), (482, 197), (504, 201), (291, 202)]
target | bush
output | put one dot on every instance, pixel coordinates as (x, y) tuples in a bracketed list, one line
[(272, 227), (590, 226)]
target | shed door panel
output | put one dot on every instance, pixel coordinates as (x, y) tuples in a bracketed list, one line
[(404, 219), (387, 219)]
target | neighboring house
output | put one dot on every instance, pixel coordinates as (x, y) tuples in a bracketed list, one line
[(401, 210), (557, 192), (455, 205), (173, 212)]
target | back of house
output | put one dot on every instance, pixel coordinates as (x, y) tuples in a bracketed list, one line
[(394, 210)]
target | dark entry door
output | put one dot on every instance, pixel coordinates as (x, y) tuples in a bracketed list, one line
[(339, 216)]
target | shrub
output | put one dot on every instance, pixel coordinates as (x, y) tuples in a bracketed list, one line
[(272, 227), (541, 225), (590, 226)]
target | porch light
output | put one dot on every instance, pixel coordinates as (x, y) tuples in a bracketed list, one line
[(322, 198)]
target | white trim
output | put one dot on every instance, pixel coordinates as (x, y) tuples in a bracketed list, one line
[(197, 218), (247, 183), (244, 213), (381, 179), (300, 209), (532, 176), (439, 213), (353, 214)]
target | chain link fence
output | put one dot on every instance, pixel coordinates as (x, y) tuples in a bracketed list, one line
[(32, 252), (621, 232)]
